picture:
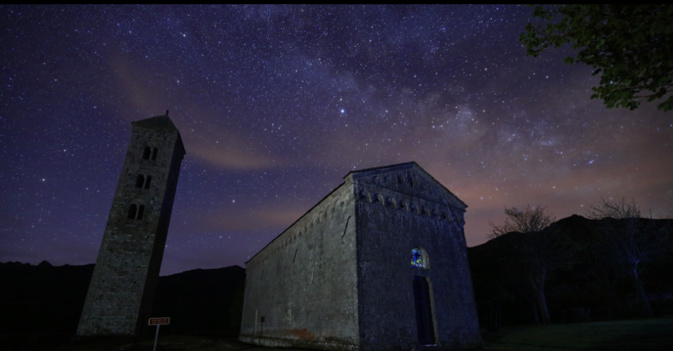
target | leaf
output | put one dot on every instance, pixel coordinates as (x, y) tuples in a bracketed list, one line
[(630, 46)]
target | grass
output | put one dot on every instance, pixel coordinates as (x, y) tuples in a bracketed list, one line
[(165, 343), (641, 334), (57, 342)]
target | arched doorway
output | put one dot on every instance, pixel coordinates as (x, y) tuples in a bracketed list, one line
[(424, 315), (423, 297)]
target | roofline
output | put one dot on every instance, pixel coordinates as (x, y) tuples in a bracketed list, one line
[(396, 167), (298, 219)]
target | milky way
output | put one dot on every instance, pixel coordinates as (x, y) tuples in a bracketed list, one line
[(276, 104)]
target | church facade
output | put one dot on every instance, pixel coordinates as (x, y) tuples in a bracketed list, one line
[(380, 263)]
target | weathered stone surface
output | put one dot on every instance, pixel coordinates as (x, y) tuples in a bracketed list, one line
[(120, 295), (341, 277), (303, 285)]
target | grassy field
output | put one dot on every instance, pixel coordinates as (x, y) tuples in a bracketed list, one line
[(641, 335), (637, 335)]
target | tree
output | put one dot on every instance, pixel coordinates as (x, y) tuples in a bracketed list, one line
[(538, 252), (613, 209), (631, 241), (526, 220), (631, 46)]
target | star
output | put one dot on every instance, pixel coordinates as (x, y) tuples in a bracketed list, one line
[(276, 103)]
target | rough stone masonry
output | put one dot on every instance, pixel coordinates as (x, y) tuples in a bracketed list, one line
[(121, 292), (379, 264)]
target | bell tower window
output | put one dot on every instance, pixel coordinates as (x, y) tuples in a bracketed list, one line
[(150, 153), (143, 182), (146, 153), (136, 211), (133, 210)]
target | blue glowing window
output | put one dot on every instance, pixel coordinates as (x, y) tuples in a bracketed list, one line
[(417, 259)]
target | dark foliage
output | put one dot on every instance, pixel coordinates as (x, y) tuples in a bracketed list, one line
[(589, 286), (630, 46), (524, 220)]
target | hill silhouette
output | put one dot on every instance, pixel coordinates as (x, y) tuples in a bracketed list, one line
[(49, 299), (585, 280), (202, 301), (587, 286)]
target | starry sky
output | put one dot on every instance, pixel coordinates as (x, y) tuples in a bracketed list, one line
[(276, 104)]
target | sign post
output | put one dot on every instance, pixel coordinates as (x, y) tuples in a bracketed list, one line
[(158, 321)]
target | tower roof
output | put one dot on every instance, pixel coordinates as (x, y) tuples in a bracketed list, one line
[(158, 123)]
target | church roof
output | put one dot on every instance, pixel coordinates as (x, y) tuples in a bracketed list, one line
[(383, 169), (405, 166), (453, 199)]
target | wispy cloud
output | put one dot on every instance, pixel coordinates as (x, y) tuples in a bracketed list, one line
[(260, 219)]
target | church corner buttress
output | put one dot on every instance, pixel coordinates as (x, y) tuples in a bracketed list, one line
[(120, 295)]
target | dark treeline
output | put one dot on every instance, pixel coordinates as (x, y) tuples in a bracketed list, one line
[(576, 269)]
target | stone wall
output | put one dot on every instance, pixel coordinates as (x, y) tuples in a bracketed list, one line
[(341, 276), (121, 292), (301, 289), (395, 213)]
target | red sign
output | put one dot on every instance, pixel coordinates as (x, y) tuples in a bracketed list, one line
[(159, 321)]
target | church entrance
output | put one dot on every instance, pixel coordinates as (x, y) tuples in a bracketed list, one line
[(424, 318)]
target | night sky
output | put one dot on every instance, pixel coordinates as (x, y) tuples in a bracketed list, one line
[(276, 104)]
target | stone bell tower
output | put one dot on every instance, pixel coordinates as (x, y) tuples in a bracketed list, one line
[(121, 292)]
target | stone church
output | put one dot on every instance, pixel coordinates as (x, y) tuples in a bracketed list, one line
[(380, 263)]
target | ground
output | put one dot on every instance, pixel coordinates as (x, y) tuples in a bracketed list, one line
[(652, 334)]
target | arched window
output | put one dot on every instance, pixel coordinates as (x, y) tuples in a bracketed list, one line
[(150, 152), (143, 181), (136, 211), (146, 153), (419, 258), (133, 209)]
